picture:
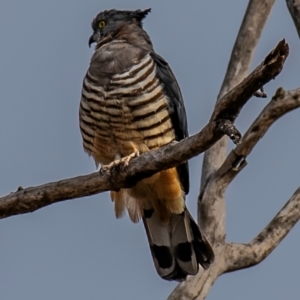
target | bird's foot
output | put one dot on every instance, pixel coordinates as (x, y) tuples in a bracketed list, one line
[(119, 164)]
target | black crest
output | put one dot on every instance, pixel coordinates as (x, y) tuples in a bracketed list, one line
[(120, 15)]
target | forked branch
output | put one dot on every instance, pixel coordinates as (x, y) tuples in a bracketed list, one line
[(232, 256), (247, 39), (239, 256), (281, 103)]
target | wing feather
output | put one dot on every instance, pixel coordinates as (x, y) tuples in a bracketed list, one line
[(176, 110)]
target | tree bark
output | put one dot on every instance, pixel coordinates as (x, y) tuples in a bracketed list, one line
[(231, 256), (248, 36), (294, 9), (241, 256), (213, 224)]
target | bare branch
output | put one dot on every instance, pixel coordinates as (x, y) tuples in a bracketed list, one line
[(30, 199), (294, 8), (235, 256), (230, 108), (213, 224), (281, 103), (211, 214), (197, 287), (253, 23), (240, 256)]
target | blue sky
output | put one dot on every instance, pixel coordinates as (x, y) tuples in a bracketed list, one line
[(77, 249)]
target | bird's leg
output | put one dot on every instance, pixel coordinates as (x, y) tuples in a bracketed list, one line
[(119, 163)]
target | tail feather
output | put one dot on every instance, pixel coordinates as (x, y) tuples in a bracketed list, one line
[(124, 200), (177, 247), (204, 253), (133, 208), (182, 243), (159, 237)]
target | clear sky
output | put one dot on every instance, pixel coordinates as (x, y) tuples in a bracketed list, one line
[(77, 249)]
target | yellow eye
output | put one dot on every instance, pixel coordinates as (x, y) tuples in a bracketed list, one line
[(101, 24)]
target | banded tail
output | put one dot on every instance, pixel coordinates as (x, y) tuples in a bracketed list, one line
[(177, 247)]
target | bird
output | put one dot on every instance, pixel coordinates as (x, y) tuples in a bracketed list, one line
[(131, 103)]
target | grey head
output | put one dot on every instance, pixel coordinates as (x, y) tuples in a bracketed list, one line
[(110, 22)]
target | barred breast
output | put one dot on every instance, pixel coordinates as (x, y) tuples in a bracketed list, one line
[(130, 114)]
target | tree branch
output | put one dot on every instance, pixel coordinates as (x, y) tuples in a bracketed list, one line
[(215, 188), (213, 224), (281, 103), (235, 256), (294, 9), (30, 199), (230, 107), (240, 256), (253, 23), (211, 206)]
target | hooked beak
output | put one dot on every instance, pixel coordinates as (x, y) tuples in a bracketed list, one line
[(94, 38)]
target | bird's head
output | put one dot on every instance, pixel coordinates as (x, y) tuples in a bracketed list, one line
[(109, 22)]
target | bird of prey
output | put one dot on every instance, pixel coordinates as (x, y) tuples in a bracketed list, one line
[(131, 103)]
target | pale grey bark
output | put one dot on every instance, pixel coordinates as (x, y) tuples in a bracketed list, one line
[(240, 256), (231, 257), (253, 23), (218, 171), (211, 202), (294, 8), (281, 103)]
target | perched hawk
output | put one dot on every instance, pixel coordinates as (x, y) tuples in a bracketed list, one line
[(131, 103)]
